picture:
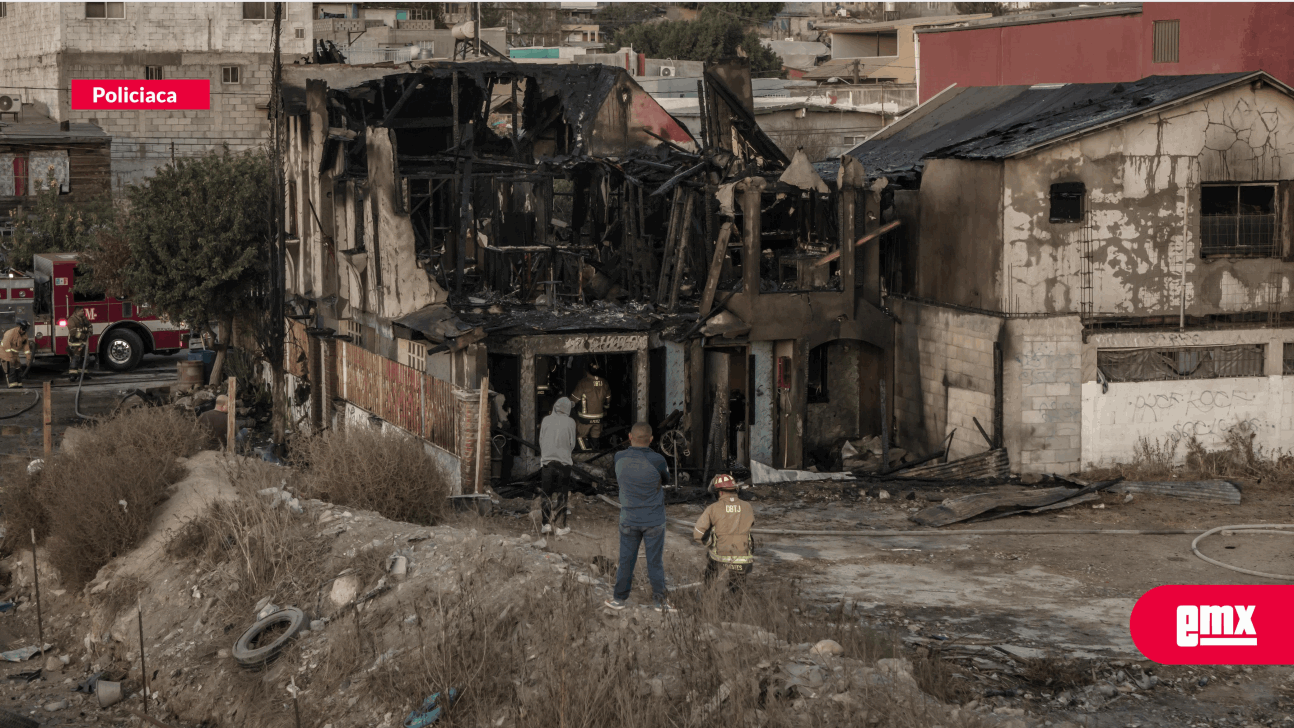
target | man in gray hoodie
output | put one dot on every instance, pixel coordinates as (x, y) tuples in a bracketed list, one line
[(556, 443)]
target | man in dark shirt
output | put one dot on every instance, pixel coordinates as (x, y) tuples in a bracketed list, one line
[(639, 472), (217, 421)]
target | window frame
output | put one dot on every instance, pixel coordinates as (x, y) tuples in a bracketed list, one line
[(1061, 191), (299, 33), (1276, 246), (4, 10), (265, 11), (107, 6), (231, 72), (154, 73)]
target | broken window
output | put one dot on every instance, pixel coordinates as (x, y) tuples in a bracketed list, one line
[(1238, 220), (255, 11), (818, 375), (230, 74), (153, 73), (1067, 201), (1195, 362), (1287, 359), (1166, 34), (105, 10)]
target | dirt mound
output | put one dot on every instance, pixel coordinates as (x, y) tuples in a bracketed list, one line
[(518, 632)]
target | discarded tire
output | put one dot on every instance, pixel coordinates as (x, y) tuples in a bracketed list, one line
[(13, 720), (248, 650)]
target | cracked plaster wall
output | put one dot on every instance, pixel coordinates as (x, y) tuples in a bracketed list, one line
[(1141, 177)]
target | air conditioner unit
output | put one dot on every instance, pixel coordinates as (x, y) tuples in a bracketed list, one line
[(10, 101), (668, 71)]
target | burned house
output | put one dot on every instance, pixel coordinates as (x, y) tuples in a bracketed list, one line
[(435, 247), (1082, 266)]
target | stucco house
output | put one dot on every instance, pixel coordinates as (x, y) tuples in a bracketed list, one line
[(1088, 265)]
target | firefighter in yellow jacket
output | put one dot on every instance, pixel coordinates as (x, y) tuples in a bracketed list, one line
[(14, 342), (78, 335), (592, 397), (724, 527)]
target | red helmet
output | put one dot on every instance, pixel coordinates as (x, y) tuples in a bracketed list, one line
[(723, 481)]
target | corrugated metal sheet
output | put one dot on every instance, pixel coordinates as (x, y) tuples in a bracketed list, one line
[(988, 464), (995, 122)]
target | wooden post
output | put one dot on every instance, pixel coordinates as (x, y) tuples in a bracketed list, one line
[(482, 432), (35, 577), (231, 434), (885, 431), (143, 667), (49, 422)]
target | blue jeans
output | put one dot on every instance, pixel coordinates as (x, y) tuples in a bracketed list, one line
[(630, 537)]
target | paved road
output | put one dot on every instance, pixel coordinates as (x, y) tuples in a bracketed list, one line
[(21, 436)]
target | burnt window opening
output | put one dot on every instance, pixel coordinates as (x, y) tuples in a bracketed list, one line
[(152, 73), (1287, 359), (1166, 34), (256, 11), (1067, 201), (1194, 362), (819, 376), (1238, 220)]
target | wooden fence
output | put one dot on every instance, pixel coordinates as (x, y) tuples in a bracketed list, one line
[(400, 395)]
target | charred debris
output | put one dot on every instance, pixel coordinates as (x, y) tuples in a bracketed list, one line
[(574, 190)]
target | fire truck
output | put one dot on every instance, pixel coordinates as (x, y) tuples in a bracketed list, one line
[(122, 331)]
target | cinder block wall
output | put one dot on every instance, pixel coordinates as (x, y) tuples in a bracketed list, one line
[(944, 371), (1042, 394)]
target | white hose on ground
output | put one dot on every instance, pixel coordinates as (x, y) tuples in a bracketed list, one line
[(1269, 528), (973, 532)]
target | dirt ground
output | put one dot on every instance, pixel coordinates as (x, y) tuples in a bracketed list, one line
[(1010, 613)]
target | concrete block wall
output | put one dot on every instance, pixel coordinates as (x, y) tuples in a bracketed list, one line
[(1117, 417), (1042, 394), (32, 36), (944, 377)]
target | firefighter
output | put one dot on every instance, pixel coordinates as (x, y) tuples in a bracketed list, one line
[(13, 343), (724, 528), (78, 337), (592, 395)]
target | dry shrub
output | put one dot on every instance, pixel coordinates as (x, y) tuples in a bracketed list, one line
[(1055, 674), (559, 659), (1151, 460), (23, 511), (365, 468), (1238, 458), (97, 501), (267, 550)]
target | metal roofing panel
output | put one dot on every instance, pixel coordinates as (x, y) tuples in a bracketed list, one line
[(995, 122)]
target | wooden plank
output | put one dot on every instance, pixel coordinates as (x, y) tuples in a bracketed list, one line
[(671, 234), (861, 241), (716, 268), (482, 432), (231, 417), (680, 253)]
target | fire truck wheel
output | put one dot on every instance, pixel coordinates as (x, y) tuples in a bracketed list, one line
[(122, 350)]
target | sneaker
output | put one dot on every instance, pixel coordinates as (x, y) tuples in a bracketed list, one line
[(563, 531), (546, 529), (663, 606), (616, 604)]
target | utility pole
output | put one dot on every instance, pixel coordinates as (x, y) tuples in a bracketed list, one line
[(277, 323)]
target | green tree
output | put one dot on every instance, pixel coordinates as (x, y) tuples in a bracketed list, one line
[(53, 223), (198, 233), (716, 33)]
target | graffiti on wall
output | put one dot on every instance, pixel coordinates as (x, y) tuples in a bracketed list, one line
[(1199, 413)]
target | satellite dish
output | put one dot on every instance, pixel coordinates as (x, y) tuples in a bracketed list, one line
[(6, 103)]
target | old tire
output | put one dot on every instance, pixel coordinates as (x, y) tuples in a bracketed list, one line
[(248, 651), (121, 349), (13, 720)]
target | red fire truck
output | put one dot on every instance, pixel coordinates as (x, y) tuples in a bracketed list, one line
[(122, 330)]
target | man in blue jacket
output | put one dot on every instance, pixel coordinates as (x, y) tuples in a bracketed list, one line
[(640, 472)]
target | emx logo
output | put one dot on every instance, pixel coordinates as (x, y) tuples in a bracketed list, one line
[(1215, 625), (1224, 625)]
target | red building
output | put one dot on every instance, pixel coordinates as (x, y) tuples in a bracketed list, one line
[(1109, 43)]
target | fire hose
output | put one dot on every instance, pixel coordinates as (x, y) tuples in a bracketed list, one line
[(1268, 528)]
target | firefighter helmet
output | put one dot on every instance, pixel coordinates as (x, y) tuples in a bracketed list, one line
[(23, 325), (723, 481)]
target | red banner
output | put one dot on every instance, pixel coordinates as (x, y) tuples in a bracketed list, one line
[(134, 94), (1215, 625)]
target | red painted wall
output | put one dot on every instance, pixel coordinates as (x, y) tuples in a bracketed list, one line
[(1214, 38)]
